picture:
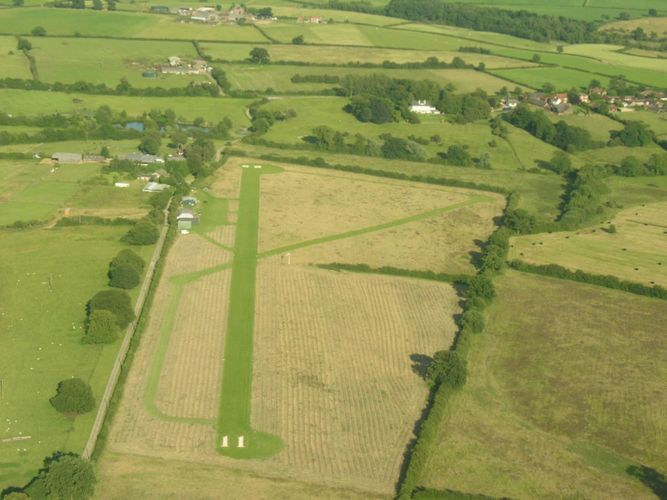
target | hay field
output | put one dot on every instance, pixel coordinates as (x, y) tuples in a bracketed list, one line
[(332, 217), (324, 54), (648, 24), (69, 60), (333, 373), (636, 252), (300, 205), (574, 374), (562, 78)]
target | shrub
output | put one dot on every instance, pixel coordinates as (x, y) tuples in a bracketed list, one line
[(481, 287), (68, 476), (473, 320), (143, 232), (448, 368), (123, 276), (102, 328), (129, 258), (73, 396), (116, 301)]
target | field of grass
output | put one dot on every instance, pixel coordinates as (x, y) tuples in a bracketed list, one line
[(69, 60), (635, 252), (54, 271), (598, 125), (538, 192), (648, 24), (561, 78), (656, 121), (615, 154), (31, 191), (611, 54), (12, 61), (120, 24), (520, 151), (561, 373), (34, 102), (333, 54), (262, 76)]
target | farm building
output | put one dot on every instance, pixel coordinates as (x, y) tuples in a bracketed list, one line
[(154, 187), (174, 61), (423, 108), (142, 158), (67, 157), (187, 218), (94, 159)]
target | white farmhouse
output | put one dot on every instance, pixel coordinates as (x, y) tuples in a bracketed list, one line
[(423, 108)]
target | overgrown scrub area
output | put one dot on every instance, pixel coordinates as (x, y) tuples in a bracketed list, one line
[(530, 386)]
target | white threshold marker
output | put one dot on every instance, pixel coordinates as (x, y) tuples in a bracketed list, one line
[(245, 166), (258, 166), (241, 443), (225, 442)]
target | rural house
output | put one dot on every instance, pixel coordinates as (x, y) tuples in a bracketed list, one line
[(423, 108)]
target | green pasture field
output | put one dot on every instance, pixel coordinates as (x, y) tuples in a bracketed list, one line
[(333, 54), (599, 126), (31, 191), (53, 271), (91, 147), (613, 55), (655, 121), (278, 77), (633, 191), (67, 22), (635, 252), (564, 394), (467, 37), (38, 102), (615, 154), (12, 61), (563, 79), (69, 60), (292, 11), (539, 193), (520, 151)]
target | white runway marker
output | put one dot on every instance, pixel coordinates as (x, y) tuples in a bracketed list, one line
[(225, 442), (241, 443), (258, 166)]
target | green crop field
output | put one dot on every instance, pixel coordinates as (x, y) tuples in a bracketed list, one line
[(34, 102), (561, 373), (563, 79), (69, 60)]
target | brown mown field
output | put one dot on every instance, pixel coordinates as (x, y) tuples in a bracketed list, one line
[(335, 353)]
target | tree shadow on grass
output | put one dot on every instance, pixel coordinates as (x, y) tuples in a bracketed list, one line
[(420, 364), (651, 478)]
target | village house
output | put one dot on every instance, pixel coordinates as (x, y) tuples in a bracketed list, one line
[(205, 15), (185, 11), (509, 103), (310, 19), (537, 99), (423, 108)]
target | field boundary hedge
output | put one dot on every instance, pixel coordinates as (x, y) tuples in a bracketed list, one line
[(121, 357), (425, 179), (395, 271), (479, 293), (606, 281)]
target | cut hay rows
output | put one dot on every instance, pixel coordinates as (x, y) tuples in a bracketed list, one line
[(443, 243), (190, 379), (224, 235), (191, 253), (228, 179), (298, 206), (332, 370)]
